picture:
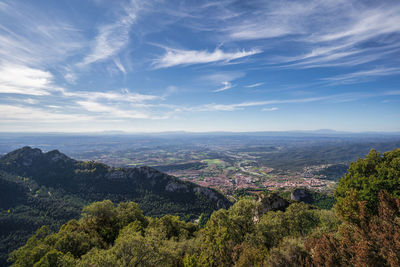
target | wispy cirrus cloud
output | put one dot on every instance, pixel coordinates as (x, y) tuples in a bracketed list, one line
[(127, 111), (35, 114), (123, 96), (178, 57), (32, 37), (360, 33), (362, 76), (253, 85), (226, 86), (336, 98), (236, 106), (222, 76), (112, 111), (270, 109), (325, 33), (121, 104), (31, 42), (111, 38)]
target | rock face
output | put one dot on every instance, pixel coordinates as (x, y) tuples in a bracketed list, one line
[(272, 202), (176, 187), (301, 194)]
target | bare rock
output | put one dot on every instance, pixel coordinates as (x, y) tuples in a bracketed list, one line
[(176, 187), (301, 194), (272, 202)]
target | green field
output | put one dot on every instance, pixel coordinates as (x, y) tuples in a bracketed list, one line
[(215, 162)]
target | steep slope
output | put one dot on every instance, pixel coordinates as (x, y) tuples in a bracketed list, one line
[(50, 188), (95, 181)]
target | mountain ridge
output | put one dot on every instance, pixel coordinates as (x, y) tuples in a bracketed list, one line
[(55, 169), (49, 188)]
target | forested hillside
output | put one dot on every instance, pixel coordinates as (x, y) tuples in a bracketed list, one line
[(361, 230), (50, 188)]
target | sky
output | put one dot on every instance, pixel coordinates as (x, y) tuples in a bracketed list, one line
[(199, 66)]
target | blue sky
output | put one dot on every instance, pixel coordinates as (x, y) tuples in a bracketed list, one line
[(150, 66)]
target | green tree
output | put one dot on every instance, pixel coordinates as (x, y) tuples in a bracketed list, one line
[(365, 179), (224, 230), (102, 217), (128, 212), (33, 250)]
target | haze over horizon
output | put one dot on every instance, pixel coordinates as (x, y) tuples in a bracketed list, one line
[(235, 66)]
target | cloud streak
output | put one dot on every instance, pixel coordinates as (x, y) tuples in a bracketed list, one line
[(253, 85), (111, 38), (236, 106), (111, 111), (124, 96), (30, 114), (177, 57), (362, 76), (323, 33), (31, 37), (337, 98), (226, 86), (269, 109)]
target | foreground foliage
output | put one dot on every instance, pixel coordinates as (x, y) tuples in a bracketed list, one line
[(356, 232), (122, 236)]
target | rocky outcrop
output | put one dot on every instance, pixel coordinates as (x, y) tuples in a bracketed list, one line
[(176, 187), (266, 203), (302, 194)]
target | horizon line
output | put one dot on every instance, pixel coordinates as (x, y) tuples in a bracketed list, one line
[(120, 132)]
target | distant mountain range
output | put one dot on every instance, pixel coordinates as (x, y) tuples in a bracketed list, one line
[(50, 188), (173, 133)]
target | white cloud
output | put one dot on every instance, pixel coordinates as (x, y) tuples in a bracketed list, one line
[(34, 37), (176, 57), (31, 39), (111, 111), (271, 19), (346, 97), (19, 79), (360, 34), (219, 77), (226, 86), (29, 114), (236, 106), (70, 77), (112, 38), (393, 92), (368, 23), (259, 30), (136, 111), (124, 96), (254, 85), (361, 76), (324, 33), (215, 107), (119, 65), (30, 101), (269, 109)]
